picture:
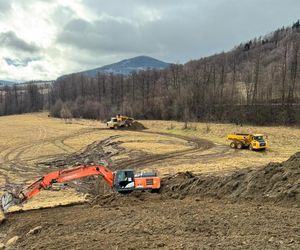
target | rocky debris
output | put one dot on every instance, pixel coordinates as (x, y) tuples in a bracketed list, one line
[(278, 182), (2, 246), (12, 241), (34, 230)]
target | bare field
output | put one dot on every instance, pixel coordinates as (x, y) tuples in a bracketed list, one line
[(284, 142), (34, 144), (26, 140)]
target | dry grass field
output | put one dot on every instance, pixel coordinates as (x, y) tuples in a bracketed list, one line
[(34, 144), (27, 140), (283, 141)]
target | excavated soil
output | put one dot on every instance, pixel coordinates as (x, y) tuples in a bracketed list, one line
[(247, 209), (135, 126), (152, 221), (276, 182)]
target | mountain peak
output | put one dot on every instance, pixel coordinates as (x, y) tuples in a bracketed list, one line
[(128, 66)]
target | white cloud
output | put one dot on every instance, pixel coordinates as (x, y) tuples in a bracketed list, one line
[(42, 39)]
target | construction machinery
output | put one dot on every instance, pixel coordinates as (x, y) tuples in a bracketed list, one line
[(122, 181), (251, 141), (120, 121)]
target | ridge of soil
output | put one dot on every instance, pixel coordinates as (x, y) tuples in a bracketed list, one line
[(276, 182)]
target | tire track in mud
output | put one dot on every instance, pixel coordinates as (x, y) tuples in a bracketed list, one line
[(64, 147), (18, 165), (13, 163), (199, 145)]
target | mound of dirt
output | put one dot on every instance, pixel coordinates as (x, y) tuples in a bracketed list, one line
[(135, 126), (278, 182)]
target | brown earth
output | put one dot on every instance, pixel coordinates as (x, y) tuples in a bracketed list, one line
[(276, 182), (155, 221), (246, 209)]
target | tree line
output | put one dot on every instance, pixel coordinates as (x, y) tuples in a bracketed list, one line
[(18, 99), (256, 82)]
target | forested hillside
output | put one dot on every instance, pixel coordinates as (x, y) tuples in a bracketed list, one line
[(256, 82)]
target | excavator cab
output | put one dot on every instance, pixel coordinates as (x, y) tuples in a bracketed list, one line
[(124, 181)]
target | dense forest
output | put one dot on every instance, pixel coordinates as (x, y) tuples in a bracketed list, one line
[(256, 82), (18, 99)]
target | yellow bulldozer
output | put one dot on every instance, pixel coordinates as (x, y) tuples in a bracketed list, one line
[(120, 121), (250, 141)]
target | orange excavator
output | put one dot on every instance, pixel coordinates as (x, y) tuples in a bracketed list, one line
[(122, 181)]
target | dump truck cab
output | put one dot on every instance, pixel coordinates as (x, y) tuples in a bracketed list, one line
[(257, 142), (113, 123), (251, 141)]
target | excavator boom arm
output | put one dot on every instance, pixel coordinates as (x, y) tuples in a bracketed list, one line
[(56, 177)]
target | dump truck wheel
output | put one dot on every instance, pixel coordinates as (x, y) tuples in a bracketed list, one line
[(250, 147), (233, 145), (239, 145)]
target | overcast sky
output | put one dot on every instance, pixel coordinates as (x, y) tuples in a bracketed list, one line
[(42, 39)]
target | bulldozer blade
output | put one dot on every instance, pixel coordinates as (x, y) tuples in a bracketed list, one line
[(7, 200)]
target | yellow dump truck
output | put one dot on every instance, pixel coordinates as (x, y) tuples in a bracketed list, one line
[(120, 121), (251, 141)]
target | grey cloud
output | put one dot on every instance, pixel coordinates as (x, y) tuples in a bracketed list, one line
[(184, 30), (91, 33), (9, 39), (108, 36), (19, 62), (62, 15), (4, 6)]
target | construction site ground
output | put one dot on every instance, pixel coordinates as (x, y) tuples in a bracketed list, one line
[(212, 197)]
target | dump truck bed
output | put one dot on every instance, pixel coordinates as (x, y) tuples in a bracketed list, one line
[(238, 137)]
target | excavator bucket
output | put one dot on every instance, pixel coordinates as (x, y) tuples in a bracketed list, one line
[(7, 200)]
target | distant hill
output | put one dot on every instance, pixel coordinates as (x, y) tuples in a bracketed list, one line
[(127, 66), (2, 83), (257, 82)]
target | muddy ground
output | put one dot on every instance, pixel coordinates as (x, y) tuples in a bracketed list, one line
[(246, 209), (153, 221)]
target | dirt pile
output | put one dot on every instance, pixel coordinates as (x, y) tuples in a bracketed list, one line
[(137, 126), (278, 182)]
